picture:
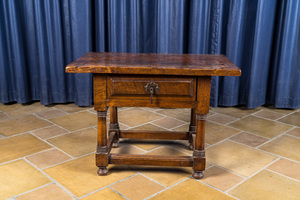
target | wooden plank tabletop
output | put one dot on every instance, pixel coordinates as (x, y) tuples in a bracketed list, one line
[(154, 63)]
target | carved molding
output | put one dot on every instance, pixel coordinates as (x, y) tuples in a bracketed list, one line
[(102, 149), (193, 129), (114, 126), (101, 113), (199, 153), (201, 117)]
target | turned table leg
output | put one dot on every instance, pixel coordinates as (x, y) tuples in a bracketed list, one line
[(199, 150), (192, 128), (203, 97), (114, 125), (102, 148)]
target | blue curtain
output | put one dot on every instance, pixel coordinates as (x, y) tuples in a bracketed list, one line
[(38, 38)]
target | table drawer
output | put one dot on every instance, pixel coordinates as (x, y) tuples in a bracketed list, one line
[(165, 88)]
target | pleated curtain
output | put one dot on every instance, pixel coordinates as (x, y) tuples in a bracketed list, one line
[(38, 38)]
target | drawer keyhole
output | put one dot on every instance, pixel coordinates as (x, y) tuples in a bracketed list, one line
[(151, 87)]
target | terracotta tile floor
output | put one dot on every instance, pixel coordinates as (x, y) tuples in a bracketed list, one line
[(47, 152)]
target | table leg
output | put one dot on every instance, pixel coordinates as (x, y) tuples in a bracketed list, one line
[(199, 150), (102, 148), (192, 128), (203, 97), (114, 125)]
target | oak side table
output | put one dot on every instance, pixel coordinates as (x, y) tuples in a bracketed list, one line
[(152, 80)]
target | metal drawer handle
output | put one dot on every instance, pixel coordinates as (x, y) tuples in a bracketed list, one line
[(151, 87)]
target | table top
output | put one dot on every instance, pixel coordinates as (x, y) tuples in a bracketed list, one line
[(154, 64)]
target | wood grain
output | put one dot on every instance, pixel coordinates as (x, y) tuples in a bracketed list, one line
[(142, 63), (163, 135), (131, 159)]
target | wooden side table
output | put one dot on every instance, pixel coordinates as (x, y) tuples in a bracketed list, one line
[(152, 80)]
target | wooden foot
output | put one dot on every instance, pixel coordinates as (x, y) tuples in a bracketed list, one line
[(198, 174), (115, 145), (102, 171)]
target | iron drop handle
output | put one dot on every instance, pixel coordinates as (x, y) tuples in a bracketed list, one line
[(151, 87)]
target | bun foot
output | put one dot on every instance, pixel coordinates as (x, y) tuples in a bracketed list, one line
[(102, 171), (115, 145), (191, 147), (198, 174)]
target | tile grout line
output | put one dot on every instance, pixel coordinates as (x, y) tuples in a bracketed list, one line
[(274, 138), (169, 187), (108, 186), (140, 173), (10, 136), (274, 120), (255, 173), (47, 184), (69, 160), (52, 179), (166, 115), (118, 193), (9, 117), (52, 145), (211, 186), (283, 175), (293, 136), (69, 132)]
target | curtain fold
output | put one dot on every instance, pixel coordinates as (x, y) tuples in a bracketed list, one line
[(39, 38)]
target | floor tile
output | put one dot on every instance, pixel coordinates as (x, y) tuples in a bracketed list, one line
[(71, 107), (294, 132), (293, 119), (125, 148), (269, 114), (287, 168), (80, 177), (165, 175), (136, 116), (236, 112), (3, 116), (184, 128), (48, 132), (191, 189), (249, 139), (18, 177), (220, 178), (137, 187), (166, 151), (285, 146), (168, 122), (146, 145), (18, 146), (25, 123), (49, 192), (48, 158), (77, 143), (16, 109), (181, 114), (104, 194), (278, 110), (215, 133), (238, 158), (76, 121), (220, 118), (123, 126), (148, 127), (267, 185), (259, 126), (48, 114)]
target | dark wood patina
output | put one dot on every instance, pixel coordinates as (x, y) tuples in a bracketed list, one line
[(152, 80)]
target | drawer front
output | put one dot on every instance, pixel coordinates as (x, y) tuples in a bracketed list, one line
[(165, 88)]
